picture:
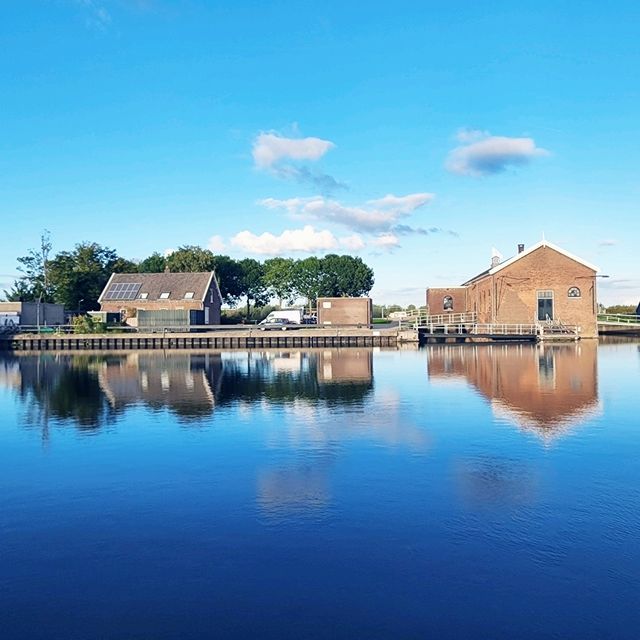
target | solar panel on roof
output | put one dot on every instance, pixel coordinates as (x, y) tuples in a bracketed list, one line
[(123, 291)]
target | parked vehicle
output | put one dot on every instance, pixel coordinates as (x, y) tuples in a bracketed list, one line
[(272, 324), (294, 316)]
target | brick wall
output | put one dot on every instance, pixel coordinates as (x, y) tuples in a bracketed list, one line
[(354, 311), (515, 290), (436, 296)]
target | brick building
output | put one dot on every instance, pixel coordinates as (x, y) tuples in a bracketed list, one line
[(543, 283), (345, 311), (154, 299)]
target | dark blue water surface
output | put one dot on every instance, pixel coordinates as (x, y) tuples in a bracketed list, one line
[(450, 492)]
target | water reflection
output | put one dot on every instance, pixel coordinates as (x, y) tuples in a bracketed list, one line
[(544, 388), (89, 390), (58, 389), (185, 384)]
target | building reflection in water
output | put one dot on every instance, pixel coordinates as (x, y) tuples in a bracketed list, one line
[(543, 388), (184, 383), (89, 390), (307, 404)]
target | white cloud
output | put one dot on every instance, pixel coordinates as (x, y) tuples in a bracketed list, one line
[(216, 244), (482, 154), (403, 204), (375, 216), (353, 242), (97, 15), (387, 241), (607, 243), (471, 135), (305, 240), (168, 252), (282, 158), (270, 148)]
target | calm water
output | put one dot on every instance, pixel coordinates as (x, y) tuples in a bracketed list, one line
[(451, 492)]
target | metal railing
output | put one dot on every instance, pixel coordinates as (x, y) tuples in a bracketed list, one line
[(618, 318), (417, 319)]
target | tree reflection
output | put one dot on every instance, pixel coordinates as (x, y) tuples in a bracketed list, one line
[(90, 390), (263, 376), (61, 388)]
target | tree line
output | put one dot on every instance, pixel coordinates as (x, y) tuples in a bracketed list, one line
[(76, 278)]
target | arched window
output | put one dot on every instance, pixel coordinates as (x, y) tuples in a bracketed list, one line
[(447, 303), (574, 292)]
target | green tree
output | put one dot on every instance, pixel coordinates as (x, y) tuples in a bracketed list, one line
[(34, 285), (307, 278), (122, 265), (345, 276), (253, 285), (278, 277), (191, 258), (230, 278), (19, 292), (155, 263), (79, 276), (624, 309)]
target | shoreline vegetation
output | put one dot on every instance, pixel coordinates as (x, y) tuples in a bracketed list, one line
[(249, 287)]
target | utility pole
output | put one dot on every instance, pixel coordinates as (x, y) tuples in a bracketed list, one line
[(45, 247)]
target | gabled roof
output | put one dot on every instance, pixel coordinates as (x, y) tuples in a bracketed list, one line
[(526, 252), (175, 284)]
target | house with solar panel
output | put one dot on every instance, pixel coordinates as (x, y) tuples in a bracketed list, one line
[(149, 300)]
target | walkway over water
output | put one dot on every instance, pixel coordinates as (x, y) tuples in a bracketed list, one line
[(463, 326), (618, 323)]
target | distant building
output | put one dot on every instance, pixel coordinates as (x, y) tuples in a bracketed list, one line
[(30, 314), (344, 311), (163, 299), (543, 283)]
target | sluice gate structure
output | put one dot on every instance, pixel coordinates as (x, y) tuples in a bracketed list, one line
[(464, 327)]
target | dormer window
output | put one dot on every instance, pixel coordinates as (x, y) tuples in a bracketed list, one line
[(189, 295), (143, 296), (165, 295)]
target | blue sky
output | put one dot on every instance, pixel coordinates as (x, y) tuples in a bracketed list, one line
[(418, 135)]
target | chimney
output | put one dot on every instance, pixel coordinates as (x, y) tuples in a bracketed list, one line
[(520, 248), (495, 261)]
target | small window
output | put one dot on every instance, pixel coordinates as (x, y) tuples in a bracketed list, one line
[(574, 292), (447, 303), (165, 295), (189, 295), (144, 296)]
